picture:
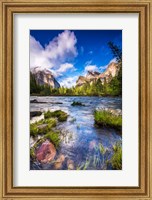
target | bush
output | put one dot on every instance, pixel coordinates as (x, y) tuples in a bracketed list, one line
[(105, 118)]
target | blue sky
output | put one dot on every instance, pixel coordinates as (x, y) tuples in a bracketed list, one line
[(71, 53)]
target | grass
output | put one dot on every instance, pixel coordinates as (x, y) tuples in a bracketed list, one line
[(32, 153), (54, 138), (116, 159), (105, 118), (32, 149), (76, 103), (37, 129), (102, 149), (59, 114)]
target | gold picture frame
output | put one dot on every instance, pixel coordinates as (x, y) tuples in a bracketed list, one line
[(7, 9)]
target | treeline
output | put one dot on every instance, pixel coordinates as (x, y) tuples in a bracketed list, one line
[(96, 88)]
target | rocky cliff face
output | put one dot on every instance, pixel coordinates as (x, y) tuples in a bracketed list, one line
[(111, 71), (44, 77)]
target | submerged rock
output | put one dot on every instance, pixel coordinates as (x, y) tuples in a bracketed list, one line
[(70, 164), (92, 144), (46, 152), (42, 126), (59, 162)]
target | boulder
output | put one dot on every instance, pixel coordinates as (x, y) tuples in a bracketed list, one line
[(46, 152)]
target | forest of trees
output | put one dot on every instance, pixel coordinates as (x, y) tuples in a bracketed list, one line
[(112, 88)]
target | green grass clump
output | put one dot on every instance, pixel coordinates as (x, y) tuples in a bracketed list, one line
[(54, 138), (76, 103), (37, 129), (105, 118), (48, 114), (32, 153), (102, 149), (33, 129), (61, 115), (116, 159), (51, 122)]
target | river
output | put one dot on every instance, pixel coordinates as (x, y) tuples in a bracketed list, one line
[(80, 137)]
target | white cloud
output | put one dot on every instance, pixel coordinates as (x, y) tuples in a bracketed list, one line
[(62, 46), (69, 81), (65, 67), (91, 68), (37, 55), (60, 50)]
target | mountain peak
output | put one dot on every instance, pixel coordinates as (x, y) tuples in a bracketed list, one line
[(44, 76), (111, 71)]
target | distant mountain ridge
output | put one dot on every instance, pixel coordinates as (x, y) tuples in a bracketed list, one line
[(44, 77), (92, 76)]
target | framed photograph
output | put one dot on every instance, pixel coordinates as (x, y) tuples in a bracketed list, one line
[(75, 99)]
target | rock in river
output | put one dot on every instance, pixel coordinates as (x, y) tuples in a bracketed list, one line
[(46, 152), (70, 164), (35, 114), (58, 163), (34, 101)]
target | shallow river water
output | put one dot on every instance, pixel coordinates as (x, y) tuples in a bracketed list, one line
[(80, 138)]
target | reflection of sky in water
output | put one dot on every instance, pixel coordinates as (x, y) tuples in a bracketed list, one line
[(80, 134)]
